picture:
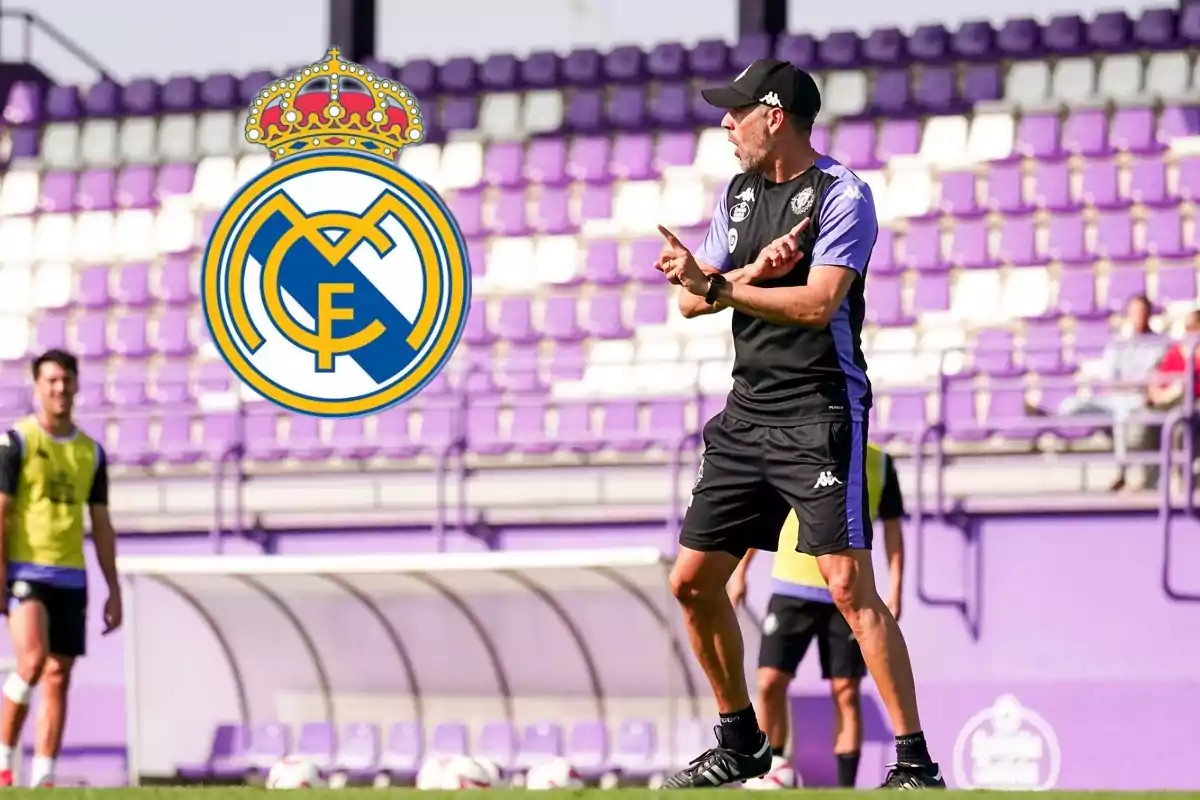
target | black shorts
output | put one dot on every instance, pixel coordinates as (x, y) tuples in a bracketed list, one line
[(789, 627), (66, 613), (751, 475)]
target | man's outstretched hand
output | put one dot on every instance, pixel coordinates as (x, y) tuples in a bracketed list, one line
[(679, 265), (777, 259)]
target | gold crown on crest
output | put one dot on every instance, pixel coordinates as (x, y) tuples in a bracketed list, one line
[(334, 104)]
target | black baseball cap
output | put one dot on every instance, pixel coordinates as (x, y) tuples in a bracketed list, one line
[(769, 82)]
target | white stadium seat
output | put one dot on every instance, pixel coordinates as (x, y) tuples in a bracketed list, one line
[(636, 206), (423, 163), (53, 285), (543, 111), (845, 94), (1027, 85), (177, 138), (93, 237), (138, 141), (19, 192), (500, 116), (215, 182), (1074, 81), (16, 288), (52, 237), (462, 165), (14, 337), (98, 143), (133, 235), (556, 259), (215, 133), (992, 136), (60, 145)]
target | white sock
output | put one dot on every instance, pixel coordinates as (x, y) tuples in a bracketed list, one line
[(43, 770), (6, 757)]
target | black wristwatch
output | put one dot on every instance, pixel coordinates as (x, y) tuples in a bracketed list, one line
[(715, 282)]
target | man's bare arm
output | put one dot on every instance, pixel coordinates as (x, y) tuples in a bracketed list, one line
[(104, 537), (811, 306), (691, 305)]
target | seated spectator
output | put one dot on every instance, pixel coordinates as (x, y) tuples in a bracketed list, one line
[(1168, 384)]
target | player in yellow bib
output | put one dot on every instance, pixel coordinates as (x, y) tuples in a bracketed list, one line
[(52, 475), (801, 609)]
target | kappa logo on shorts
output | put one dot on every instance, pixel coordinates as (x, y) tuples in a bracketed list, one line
[(20, 590), (335, 284), (826, 479), (770, 624)]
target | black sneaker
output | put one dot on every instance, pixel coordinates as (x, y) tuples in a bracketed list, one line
[(721, 766), (914, 776)]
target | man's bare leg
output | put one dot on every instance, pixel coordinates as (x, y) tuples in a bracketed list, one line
[(28, 627), (772, 707), (52, 717), (698, 583), (851, 580), (848, 732)]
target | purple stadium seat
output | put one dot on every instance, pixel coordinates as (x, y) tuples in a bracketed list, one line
[(854, 145), (1189, 179), (650, 307), (262, 434), (448, 739), (1123, 285), (1148, 182), (1051, 186), (633, 157), (1100, 184), (540, 742), (541, 69), (1005, 189), (667, 62), (1043, 349), (974, 41), (907, 413), (884, 303), (961, 414), (667, 423), (623, 65), (457, 75), (358, 749), (582, 68), (58, 192), (587, 159), (498, 743), (1064, 35), (559, 320), (135, 187), (129, 387), (923, 246), (672, 107), (171, 336), (175, 440), (575, 431), (1091, 337), (180, 93), (97, 190), (1114, 236), (133, 446), (937, 91), (252, 84), (1019, 38), (604, 316), (528, 432), (674, 149), (316, 740), (1176, 122), (626, 108), (982, 82), (25, 143), (1077, 293), (621, 430), (1017, 241), (634, 747), (503, 164), (602, 264), (704, 114), (419, 76), (709, 59), (1189, 23), (268, 743), (459, 114), (885, 47), (476, 331), (174, 281), (596, 203), (304, 440), (514, 322), (1038, 135), (587, 749), (92, 289), (403, 748), (750, 48), (227, 755), (101, 99), (90, 339), (1067, 240), (63, 104), (132, 286), (1132, 130), (993, 354), (798, 48), (350, 441), (929, 44), (884, 254), (545, 162), (839, 49), (931, 292), (1109, 31), (24, 105), (393, 434), (219, 92), (467, 207), (553, 210), (1156, 29), (508, 213), (957, 196), (891, 94), (172, 384), (1086, 134), (898, 137), (969, 247), (499, 73), (1164, 234), (640, 266), (1176, 284)]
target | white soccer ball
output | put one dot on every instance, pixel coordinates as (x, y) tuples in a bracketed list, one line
[(464, 772), (781, 776), (554, 774), (430, 775), (294, 772)]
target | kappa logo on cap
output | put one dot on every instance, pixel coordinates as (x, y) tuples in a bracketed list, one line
[(771, 99)]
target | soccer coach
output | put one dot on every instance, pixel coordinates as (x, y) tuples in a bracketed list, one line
[(787, 250)]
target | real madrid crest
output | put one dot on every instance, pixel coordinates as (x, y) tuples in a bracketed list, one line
[(802, 202)]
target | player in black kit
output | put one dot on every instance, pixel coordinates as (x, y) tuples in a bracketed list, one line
[(787, 250)]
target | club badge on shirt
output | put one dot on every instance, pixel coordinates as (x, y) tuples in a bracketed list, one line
[(802, 202)]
